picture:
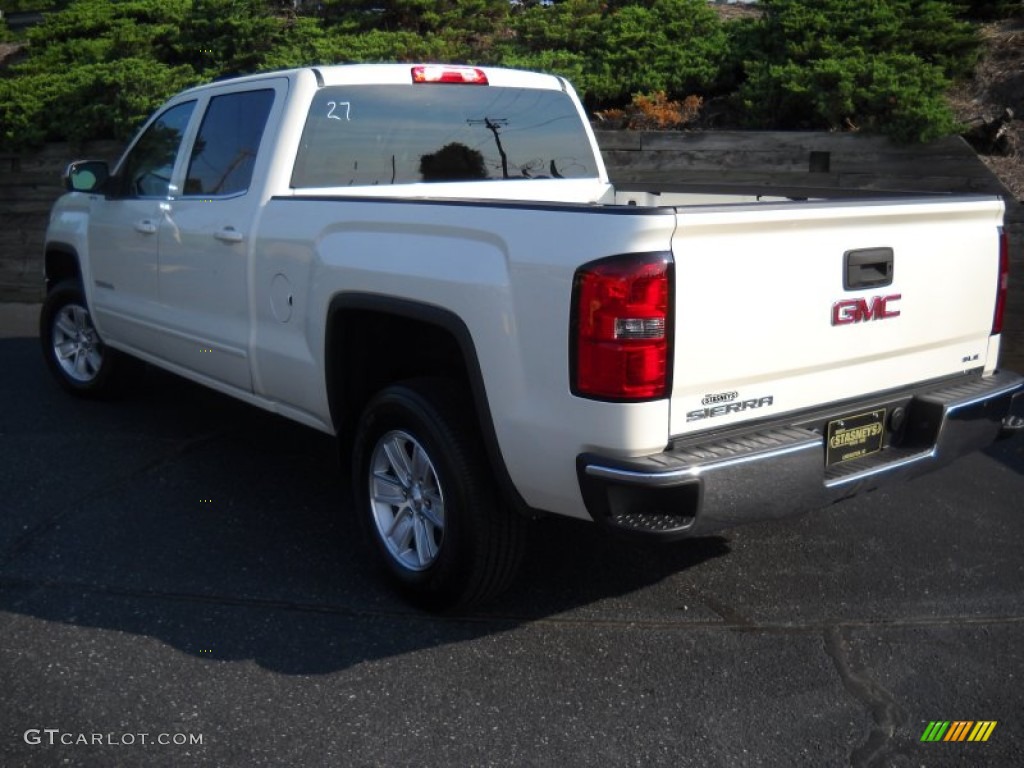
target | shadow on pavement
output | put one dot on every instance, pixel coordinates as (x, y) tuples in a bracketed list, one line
[(223, 531), (1009, 453)]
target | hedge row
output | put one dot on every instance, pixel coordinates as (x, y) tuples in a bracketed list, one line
[(96, 68)]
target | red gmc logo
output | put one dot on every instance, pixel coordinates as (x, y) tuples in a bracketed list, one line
[(863, 310)]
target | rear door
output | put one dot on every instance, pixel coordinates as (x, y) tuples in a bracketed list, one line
[(789, 306), (205, 237)]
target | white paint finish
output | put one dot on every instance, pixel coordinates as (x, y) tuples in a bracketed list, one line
[(282, 297), (204, 287), (755, 290), (122, 265), (992, 359), (755, 282)]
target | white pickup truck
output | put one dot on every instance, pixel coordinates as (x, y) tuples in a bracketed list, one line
[(430, 263)]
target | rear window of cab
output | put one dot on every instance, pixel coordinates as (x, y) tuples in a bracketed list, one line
[(368, 135)]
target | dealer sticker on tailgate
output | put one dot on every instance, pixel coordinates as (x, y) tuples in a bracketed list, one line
[(854, 437)]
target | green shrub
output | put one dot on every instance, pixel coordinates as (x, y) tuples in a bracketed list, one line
[(380, 46), (96, 101), (232, 37), (562, 39), (95, 68), (675, 46), (853, 65), (15, 6), (457, 30), (894, 94), (988, 10), (612, 50)]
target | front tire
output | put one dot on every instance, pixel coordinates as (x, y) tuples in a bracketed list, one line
[(425, 498), (74, 352)]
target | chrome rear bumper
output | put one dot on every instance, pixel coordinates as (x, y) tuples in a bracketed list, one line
[(780, 470)]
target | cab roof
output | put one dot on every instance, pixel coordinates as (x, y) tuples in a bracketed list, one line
[(393, 74)]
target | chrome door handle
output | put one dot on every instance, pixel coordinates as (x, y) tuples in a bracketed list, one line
[(145, 226), (229, 235)]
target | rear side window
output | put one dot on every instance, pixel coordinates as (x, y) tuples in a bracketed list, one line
[(366, 135), (224, 153)]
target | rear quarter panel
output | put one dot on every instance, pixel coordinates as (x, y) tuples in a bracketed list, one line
[(505, 269)]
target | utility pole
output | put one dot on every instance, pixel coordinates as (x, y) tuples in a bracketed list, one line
[(494, 125)]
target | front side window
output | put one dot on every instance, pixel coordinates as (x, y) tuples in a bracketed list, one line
[(224, 153), (147, 169), (366, 135)]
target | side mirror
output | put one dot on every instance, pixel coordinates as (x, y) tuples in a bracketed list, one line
[(86, 176)]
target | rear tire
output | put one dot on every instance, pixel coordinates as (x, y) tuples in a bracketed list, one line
[(425, 497), (74, 352)]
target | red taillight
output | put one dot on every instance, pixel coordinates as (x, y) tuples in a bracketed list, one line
[(455, 75), (1004, 282), (621, 326)]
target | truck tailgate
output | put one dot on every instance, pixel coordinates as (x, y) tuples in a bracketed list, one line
[(788, 306)]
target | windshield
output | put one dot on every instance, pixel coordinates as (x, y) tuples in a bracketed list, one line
[(364, 135)]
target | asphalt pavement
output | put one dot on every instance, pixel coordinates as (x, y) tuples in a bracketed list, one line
[(181, 584)]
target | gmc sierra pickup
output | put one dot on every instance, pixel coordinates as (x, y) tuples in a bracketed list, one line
[(430, 263)]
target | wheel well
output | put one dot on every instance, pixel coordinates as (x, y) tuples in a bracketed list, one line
[(61, 264), (373, 341), (369, 349)]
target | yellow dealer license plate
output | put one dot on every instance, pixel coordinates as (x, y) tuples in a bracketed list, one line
[(855, 437)]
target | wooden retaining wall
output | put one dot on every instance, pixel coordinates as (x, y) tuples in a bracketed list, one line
[(828, 161), (29, 184)]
